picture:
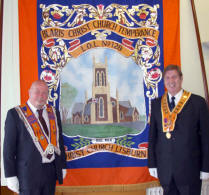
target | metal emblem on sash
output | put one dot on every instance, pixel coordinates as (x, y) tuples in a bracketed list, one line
[(36, 139), (168, 135), (50, 149)]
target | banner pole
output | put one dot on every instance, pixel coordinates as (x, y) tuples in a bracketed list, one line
[(200, 52)]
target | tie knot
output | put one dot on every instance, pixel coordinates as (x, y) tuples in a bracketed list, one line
[(173, 98), (40, 111)]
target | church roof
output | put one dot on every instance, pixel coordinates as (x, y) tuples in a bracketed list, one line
[(125, 104), (78, 107), (87, 109), (130, 111)]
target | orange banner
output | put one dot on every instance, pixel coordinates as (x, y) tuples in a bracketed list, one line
[(29, 73)]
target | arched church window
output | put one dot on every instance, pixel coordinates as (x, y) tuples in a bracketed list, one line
[(77, 120), (136, 116), (97, 78), (100, 79), (101, 107), (103, 79), (121, 116), (86, 118)]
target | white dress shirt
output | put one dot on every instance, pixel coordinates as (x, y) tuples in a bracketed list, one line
[(177, 97), (44, 114)]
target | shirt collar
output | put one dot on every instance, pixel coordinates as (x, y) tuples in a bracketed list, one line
[(33, 108), (177, 96)]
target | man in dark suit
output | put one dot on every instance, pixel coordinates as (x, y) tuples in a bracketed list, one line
[(178, 152), (33, 151)]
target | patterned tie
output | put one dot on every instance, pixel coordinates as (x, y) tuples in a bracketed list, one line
[(43, 122), (172, 103)]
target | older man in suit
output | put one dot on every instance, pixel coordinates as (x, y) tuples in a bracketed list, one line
[(178, 152), (33, 151)]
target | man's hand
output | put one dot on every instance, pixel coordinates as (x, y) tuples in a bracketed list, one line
[(153, 172), (13, 184), (204, 175), (64, 173)]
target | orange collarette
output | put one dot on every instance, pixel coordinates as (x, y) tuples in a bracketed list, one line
[(168, 117)]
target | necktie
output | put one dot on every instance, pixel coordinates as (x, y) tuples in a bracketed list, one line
[(43, 122), (172, 103)]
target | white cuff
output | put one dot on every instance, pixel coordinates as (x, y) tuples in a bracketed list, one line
[(13, 184), (64, 173), (204, 175), (153, 172)]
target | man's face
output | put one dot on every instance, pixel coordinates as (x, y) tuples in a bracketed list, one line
[(38, 95), (173, 82)]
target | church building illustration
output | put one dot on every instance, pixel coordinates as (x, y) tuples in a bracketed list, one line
[(101, 108)]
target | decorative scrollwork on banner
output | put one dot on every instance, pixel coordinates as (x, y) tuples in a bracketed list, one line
[(147, 55), (123, 14), (58, 54), (58, 20), (101, 35)]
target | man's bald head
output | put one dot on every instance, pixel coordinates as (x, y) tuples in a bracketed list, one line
[(38, 93)]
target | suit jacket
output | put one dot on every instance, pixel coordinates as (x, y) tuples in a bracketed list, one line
[(186, 153), (22, 158)]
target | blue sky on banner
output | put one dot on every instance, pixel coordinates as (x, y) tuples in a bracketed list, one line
[(136, 73)]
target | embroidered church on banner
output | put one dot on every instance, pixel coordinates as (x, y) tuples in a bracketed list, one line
[(103, 63)]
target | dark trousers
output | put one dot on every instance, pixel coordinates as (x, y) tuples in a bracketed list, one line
[(173, 189), (47, 182)]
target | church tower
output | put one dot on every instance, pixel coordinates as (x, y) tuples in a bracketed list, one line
[(101, 107)]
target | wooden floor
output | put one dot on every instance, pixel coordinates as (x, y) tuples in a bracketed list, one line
[(6, 191), (132, 189)]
